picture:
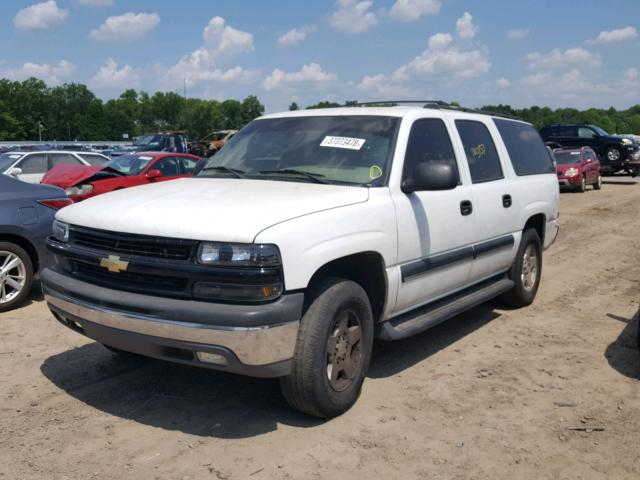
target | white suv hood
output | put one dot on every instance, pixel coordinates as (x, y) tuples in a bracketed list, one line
[(218, 209)]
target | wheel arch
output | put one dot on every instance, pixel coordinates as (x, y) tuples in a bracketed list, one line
[(367, 269), (24, 244), (537, 222)]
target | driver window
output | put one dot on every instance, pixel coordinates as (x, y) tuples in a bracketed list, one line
[(586, 132), (428, 142), (168, 166)]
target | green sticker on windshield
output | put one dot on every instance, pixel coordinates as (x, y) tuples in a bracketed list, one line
[(375, 172)]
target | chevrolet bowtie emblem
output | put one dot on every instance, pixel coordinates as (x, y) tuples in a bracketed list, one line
[(114, 264)]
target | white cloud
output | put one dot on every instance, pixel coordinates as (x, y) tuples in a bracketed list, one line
[(409, 10), (518, 34), (129, 26), (440, 41), (310, 75), (296, 35), (95, 3), (381, 86), (111, 77), (40, 16), (220, 42), (353, 16), (452, 62), (51, 74), (615, 36), (631, 74), (503, 83), (557, 58), (465, 27)]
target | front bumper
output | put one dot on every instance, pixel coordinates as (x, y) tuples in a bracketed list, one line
[(570, 181), (255, 340)]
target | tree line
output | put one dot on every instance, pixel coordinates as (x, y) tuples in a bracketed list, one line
[(30, 110)]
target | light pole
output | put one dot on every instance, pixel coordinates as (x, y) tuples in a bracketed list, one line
[(40, 132)]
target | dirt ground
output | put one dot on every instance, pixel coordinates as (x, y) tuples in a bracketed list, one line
[(493, 393)]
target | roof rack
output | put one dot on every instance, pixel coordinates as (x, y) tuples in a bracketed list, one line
[(437, 104)]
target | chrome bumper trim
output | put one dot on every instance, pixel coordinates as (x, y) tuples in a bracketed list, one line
[(252, 346)]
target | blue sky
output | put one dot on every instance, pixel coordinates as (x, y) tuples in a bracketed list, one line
[(523, 52)]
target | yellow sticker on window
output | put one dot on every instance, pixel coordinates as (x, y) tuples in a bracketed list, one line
[(479, 151), (375, 172)]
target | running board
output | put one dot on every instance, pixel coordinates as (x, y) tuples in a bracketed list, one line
[(430, 315)]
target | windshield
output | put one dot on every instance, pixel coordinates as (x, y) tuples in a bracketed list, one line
[(567, 158), (600, 131), (353, 150), (151, 140), (8, 159), (129, 164)]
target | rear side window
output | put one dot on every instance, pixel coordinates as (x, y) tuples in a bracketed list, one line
[(428, 142), (482, 156), (36, 163), (188, 165), (526, 150), (63, 159)]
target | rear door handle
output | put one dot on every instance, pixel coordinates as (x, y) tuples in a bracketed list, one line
[(466, 207), (506, 201)]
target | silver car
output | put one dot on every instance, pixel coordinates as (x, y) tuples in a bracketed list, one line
[(31, 167)]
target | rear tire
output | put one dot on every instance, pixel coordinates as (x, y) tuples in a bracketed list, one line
[(525, 271), (332, 352), (598, 184), (16, 275)]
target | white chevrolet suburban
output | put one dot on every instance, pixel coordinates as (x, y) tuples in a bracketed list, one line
[(310, 234)]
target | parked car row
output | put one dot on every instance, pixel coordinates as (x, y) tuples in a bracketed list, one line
[(617, 154)]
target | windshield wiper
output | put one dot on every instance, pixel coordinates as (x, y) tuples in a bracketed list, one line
[(233, 171), (316, 177)]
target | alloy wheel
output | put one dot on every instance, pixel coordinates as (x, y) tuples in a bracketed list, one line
[(344, 354), (13, 276), (613, 155), (529, 273)]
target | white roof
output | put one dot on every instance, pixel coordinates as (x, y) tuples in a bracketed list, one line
[(395, 111)]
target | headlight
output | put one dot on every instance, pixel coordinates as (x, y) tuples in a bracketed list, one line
[(571, 172), (238, 254), (626, 141), (60, 231), (81, 190)]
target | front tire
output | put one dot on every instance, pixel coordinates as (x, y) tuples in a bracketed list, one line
[(16, 275), (525, 271), (332, 352), (583, 185)]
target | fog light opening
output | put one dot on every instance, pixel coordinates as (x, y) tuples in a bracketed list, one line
[(215, 358)]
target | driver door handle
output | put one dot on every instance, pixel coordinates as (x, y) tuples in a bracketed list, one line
[(466, 207)]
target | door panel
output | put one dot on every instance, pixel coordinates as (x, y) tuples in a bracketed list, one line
[(495, 201), (434, 237)]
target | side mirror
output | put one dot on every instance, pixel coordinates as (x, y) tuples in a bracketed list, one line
[(588, 160), (431, 176), (14, 172), (151, 174)]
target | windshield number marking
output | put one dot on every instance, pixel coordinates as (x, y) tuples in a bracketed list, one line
[(343, 142)]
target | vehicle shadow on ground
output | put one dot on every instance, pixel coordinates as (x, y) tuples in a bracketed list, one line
[(616, 181), (623, 354), (35, 295), (215, 404)]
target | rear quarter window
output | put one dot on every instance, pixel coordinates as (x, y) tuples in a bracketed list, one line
[(525, 147)]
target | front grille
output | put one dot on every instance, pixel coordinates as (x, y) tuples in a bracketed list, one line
[(132, 281), (130, 244)]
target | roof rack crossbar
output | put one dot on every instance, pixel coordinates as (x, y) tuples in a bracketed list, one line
[(437, 104)]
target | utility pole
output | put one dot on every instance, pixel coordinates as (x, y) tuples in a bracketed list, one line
[(40, 131)]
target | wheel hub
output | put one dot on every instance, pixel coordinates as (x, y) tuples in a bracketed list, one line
[(344, 357)]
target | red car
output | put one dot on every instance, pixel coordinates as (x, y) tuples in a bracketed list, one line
[(81, 182), (577, 168)]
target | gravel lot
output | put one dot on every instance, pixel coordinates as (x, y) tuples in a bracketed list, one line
[(493, 393)]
